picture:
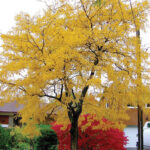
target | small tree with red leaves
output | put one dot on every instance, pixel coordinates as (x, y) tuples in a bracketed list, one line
[(92, 138)]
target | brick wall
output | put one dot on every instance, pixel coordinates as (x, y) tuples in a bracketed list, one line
[(132, 112)]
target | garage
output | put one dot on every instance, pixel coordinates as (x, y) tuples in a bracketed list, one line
[(131, 133)]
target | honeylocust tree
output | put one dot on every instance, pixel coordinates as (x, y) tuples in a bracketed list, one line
[(53, 63)]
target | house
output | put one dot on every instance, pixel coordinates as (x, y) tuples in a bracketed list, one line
[(8, 112)]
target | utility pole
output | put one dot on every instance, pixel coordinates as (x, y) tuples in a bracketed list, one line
[(138, 82), (140, 128), (138, 86)]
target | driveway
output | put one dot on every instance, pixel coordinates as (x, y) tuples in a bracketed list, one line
[(145, 148)]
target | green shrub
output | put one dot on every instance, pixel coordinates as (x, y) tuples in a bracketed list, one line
[(22, 146), (47, 140), (5, 138), (18, 140), (13, 139)]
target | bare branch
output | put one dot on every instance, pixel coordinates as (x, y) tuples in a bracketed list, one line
[(120, 68), (55, 91), (43, 40), (35, 44), (61, 92), (84, 9), (73, 94)]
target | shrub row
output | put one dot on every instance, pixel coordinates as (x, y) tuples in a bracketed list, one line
[(13, 139)]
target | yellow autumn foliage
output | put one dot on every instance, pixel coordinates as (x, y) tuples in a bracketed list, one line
[(60, 59)]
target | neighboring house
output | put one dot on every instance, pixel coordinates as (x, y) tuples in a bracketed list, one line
[(131, 130), (8, 112)]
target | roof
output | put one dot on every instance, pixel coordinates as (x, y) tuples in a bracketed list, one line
[(12, 107)]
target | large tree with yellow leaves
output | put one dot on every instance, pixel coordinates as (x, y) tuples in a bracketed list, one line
[(56, 61)]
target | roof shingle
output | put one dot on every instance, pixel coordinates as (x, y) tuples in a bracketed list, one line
[(12, 107)]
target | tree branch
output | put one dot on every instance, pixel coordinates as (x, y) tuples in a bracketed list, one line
[(119, 67), (61, 92), (86, 14), (73, 94)]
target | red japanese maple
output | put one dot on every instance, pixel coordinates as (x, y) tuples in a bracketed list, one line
[(92, 139)]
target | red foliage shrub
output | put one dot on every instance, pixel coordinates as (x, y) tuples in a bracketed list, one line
[(92, 139)]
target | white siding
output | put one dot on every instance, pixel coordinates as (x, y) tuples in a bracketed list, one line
[(4, 125)]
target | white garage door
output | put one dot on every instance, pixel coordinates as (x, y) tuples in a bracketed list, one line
[(131, 133)]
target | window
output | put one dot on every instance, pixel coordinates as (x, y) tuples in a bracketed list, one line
[(147, 105), (148, 125), (107, 105), (131, 106)]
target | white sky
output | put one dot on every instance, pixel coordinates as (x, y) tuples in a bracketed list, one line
[(10, 8)]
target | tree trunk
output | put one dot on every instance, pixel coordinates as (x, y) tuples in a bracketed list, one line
[(74, 134), (74, 113)]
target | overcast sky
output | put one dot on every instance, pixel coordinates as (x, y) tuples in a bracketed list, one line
[(10, 8)]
